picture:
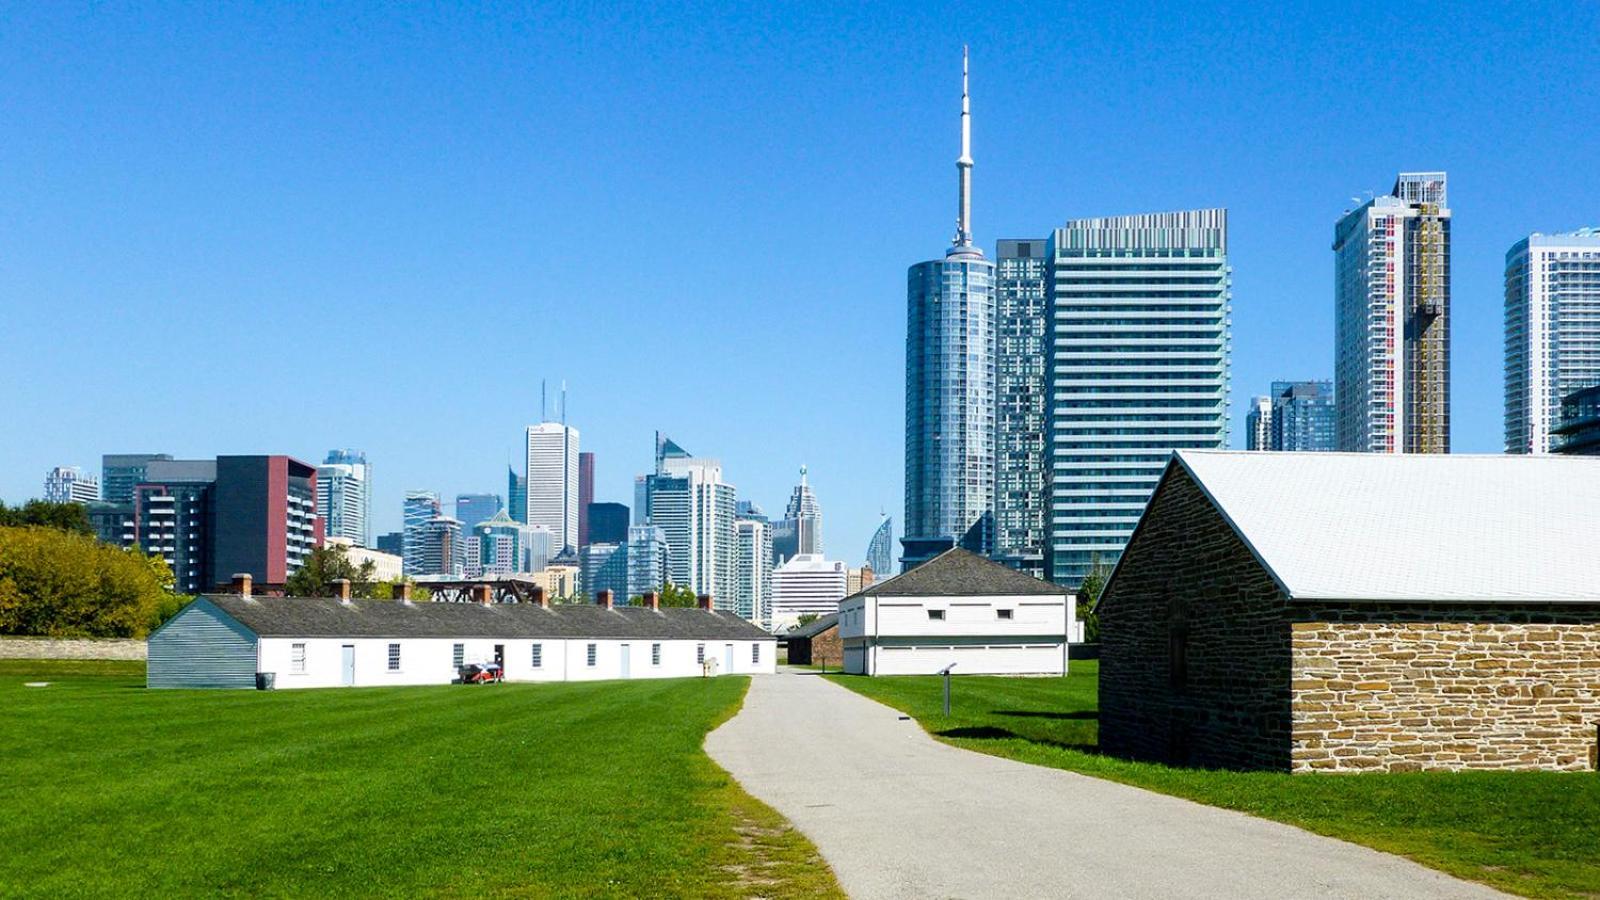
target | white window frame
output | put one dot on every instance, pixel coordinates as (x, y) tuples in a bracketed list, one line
[(755, 653), (458, 655), (655, 654), (700, 654), (536, 656), (394, 657), (592, 655), (297, 658)]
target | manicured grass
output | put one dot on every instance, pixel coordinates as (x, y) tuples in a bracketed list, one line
[(1532, 833), (586, 790)]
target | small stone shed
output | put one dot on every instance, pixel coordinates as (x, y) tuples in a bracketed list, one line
[(815, 643), (1358, 612)]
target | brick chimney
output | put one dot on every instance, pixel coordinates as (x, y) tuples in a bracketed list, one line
[(341, 589), (652, 600), (241, 584), (540, 597), (604, 598), (402, 592), (482, 593), (705, 601)]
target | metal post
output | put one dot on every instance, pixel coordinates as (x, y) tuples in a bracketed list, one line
[(947, 693)]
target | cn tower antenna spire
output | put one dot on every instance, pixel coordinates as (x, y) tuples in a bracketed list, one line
[(963, 236)]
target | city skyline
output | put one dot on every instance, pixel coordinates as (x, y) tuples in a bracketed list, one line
[(431, 253)]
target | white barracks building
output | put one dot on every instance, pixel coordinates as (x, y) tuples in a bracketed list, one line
[(958, 608), (242, 641)]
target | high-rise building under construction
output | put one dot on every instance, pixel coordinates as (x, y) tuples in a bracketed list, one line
[(1392, 320)]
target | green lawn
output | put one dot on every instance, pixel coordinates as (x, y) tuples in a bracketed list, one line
[(1532, 833), (596, 789)]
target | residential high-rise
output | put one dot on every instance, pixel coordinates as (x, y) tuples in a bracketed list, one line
[(1577, 431), (1021, 272), (553, 481), (647, 559), (806, 514), (585, 495), (119, 472), (472, 509), (605, 568), (421, 507), (753, 591), (880, 550), (691, 503), (608, 523), (393, 542), (806, 585), (1138, 367), (172, 513), (344, 496), (1304, 416), (950, 387), (1392, 320), (517, 495), (1258, 424), (70, 484), (440, 548), (1552, 331)]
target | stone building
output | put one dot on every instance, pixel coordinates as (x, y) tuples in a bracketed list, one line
[(1358, 612), (816, 643)]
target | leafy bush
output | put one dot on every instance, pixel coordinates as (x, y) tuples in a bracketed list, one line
[(57, 583)]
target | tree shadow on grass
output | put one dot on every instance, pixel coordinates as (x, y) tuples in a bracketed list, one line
[(991, 733), (1080, 715)]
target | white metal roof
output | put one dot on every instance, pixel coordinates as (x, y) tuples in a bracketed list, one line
[(1413, 527)]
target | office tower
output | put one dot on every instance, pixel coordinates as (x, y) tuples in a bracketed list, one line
[(1392, 320), (393, 542), (691, 503), (70, 484), (752, 598), (605, 568), (1552, 331), (517, 495), (1304, 416), (496, 546), (641, 499), (647, 559), (1138, 367), (472, 509), (950, 387), (440, 549), (420, 508), (585, 496), (608, 523), (785, 540), (540, 548), (1577, 430), (344, 496), (553, 481), (210, 519), (1258, 424), (880, 550), (806, 514), (119, 472), (807, 584), (1021, 270)]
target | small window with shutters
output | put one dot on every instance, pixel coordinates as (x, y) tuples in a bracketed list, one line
[(538, 656), (297, 659)]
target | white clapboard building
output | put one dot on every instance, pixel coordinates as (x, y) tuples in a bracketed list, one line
[(242, 641), (958, 608)]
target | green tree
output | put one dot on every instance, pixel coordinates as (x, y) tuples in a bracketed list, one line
[(673, 595), (807, 619), (72, 517), (1094, 581), (325, 565), (385, 590), (56, 583)]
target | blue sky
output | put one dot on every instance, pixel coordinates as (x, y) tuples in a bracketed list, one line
[(290, 228)]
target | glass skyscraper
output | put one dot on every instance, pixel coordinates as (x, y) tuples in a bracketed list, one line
[(880, 550), (1552, 287), (344, 496), (1021, 270), (421, 507), (1303, 416), (1139, 364), (950, 388)]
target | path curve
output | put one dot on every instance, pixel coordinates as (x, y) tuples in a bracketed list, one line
[(900, 815)]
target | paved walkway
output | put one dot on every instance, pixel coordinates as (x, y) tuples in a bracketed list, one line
[(898, 814)]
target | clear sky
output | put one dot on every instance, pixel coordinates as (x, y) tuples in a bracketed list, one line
[(292, 228)]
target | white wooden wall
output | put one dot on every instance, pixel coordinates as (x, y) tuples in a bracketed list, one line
[(897, 636)]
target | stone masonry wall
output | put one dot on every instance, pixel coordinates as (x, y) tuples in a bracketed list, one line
[(70, 648), (1187, 586), (1438, 686)]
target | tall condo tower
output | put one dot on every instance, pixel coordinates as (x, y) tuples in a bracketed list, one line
[(1139, 355), (950, 386), (880, 549), (1021, 270), (1392, 320), (1552, 331), (344, 496)]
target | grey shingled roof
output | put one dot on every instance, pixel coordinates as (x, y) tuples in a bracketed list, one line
[(961, 573), (328, 617), (812, 629)]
